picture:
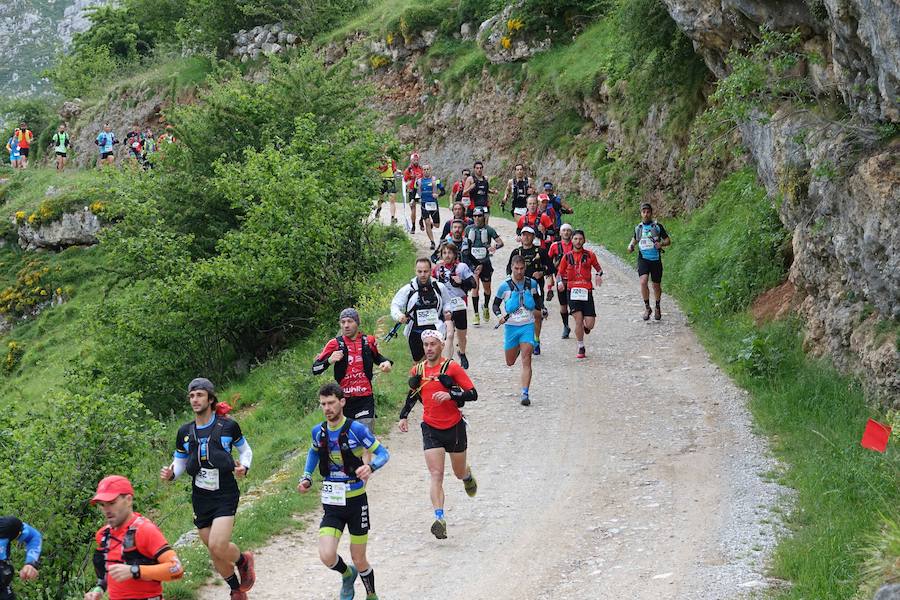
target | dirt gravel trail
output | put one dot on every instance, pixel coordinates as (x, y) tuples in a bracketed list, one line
[(634, 474)]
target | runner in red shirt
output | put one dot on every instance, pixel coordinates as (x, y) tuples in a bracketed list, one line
[(575, 272), (534, 219), (558, 249), (458, 193), (443, 388), (411, 175), (132, 556), (354, 356)]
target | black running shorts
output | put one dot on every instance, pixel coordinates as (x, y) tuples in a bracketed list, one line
[(653, 268), (585, 307), (452, 440)]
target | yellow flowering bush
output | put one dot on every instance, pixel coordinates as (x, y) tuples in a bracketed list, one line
[(14, 352), (377, 61), (506, 42), (30, 289), (513, 25), (389, 38), (20, 217)]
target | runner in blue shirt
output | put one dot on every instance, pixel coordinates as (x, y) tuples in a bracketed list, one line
[(14, 530), (650, 237), (105, 141), (337, 447), (430, 189), (520, 297)]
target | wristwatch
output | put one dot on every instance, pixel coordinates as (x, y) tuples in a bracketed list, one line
[(135, 571)]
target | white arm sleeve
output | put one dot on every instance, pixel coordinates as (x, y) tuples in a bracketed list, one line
[(179, 465), (245, 454)]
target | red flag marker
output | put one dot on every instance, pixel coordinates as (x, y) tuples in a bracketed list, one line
[(876, 435)]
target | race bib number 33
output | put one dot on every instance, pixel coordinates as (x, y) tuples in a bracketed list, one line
[(334, 493)]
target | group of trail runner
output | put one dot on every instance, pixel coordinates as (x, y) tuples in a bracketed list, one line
[(141, 144), (552, 259), (132, 557)]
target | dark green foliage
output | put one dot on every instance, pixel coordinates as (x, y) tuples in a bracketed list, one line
[(116, 30), (561, 16), (52, 463)]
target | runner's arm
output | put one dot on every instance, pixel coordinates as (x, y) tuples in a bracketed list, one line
[(377, 356), (245, 453), (179, 465), (380, 456), (31, 538), (168, 568), (321, 363), (99, 561), (312, 461), (398, 305), (411, 398), (468, 185)]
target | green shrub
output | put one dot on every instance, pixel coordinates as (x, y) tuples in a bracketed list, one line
[(84, 73), (53, 460)]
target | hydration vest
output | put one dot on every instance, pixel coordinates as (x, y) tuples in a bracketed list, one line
[(519, 193), (216, 456), (130, 554), (340, 367), (421, 302), (350, 462), (479, 193), (485, 236)]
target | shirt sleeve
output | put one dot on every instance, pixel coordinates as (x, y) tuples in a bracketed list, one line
[(663, 234), (563, 267), (150, 540), (181, 443), (459, 376), (237, 435), (330, 347), (596, 263), (363, 436), (32, 540)]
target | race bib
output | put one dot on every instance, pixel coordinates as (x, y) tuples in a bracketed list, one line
[(578, 294), (334, 493), (520, 211), (521, 314), (466, 202), (432, 206), (456, 303), (207, 479), (646, 243), (479, 253), (428, 316)]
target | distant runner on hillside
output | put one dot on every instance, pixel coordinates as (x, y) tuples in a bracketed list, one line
[(106, 140), (15, 156), (60, 143), (387, 170), (517, 192), (443, 388), (650, 237), (25, 137)]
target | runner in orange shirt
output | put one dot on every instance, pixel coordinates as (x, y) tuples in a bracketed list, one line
[(132, 556)]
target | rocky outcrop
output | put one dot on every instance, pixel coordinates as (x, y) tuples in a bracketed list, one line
[(79, 228), (859, 41), (262, 40), (503, 40), (75, 18)]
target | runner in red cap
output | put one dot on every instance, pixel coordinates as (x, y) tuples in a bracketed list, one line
[(132, 556)]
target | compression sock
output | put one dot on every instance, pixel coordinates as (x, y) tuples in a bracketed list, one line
[(565, 318), (487, 299), (240, 561), (233, 582), (647, 303), (368, 579), (439, 512), (657, 305), (468, 476), (475, 303), (525, 392), (341, 567)]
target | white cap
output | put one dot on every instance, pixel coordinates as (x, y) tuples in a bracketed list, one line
[(566, 226), (527, 229)]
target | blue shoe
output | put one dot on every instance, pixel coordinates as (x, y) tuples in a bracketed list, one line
[(537, 349), (347, 592)]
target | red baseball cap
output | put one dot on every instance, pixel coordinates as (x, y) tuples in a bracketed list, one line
[(111, 488)]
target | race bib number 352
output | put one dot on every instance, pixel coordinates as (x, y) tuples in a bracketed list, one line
[(207, 479), (428, 316), (334, 493)]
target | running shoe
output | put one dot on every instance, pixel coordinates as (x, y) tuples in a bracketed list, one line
[(347, 592), (581, 353), (413, 228), (646, 315), (485, 311), (438, 528), (526, 401), (393, 220), (463, 361), (238, 595), (657, 314), (471, 485), (246, 572), (372, 597), (432, 245), (566, 332), (537, 349), (476, 320)]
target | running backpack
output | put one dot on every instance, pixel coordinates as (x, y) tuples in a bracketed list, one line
[(350, 461), (340, 367), (485, 236), (639, 230), (130, 554)]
